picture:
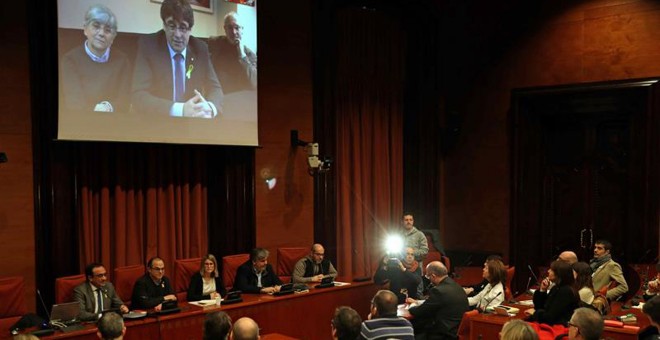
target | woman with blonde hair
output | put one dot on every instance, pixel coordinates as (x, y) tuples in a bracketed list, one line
[(206, 284), (517, 329)]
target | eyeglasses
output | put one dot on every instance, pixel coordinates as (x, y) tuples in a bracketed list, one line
[(170, 26), (158, 269), (234, 27), (96, 27), (101, 275), (570, 324), (319, 254)]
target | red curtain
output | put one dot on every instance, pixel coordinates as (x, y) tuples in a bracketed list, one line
[(369, 106), (141, 202)]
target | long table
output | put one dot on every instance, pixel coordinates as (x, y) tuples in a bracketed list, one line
[(301, 315)]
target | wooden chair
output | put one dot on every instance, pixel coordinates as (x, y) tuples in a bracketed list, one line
[(286, 260), (230, 264), (183, 271), (125, 278), (64, 287), (464, 326), (12, 302), (508, 295)]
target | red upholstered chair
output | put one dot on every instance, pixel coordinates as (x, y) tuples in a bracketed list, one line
[(464, 326), (64, 287), (125, 278), (286, 260), (183, 271), (230, 264), (509, 278), (12, 302)]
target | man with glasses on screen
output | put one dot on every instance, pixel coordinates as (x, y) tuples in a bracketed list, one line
[(173, 72), (96, 294), (234, 62), (154, 288)]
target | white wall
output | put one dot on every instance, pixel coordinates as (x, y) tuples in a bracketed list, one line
[(143, 16)]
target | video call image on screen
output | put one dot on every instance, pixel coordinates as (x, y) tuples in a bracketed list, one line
[(158, 71)]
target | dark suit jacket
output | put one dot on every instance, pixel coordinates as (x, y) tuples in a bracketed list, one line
[(442, 312), (246, 279), (147, 295), (152, 77), (84, 294), (556, 306), (197, 286)]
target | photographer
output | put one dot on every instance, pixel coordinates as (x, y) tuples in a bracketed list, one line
[(404, 275)]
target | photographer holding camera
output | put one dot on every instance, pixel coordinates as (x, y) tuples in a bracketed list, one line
[(404, 275)]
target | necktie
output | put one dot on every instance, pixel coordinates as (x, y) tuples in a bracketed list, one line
[(178, 78), (99, 301)]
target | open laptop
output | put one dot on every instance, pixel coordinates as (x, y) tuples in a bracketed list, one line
[(285, 289), (65, 316), (326, 282)]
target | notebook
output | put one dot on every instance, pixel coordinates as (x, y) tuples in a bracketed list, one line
[(285, 289)]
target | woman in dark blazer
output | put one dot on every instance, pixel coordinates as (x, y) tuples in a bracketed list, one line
[(207, 283), (555, 306)]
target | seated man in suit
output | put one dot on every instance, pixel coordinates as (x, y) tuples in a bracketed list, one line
[(607, 272), (96, 294), (314, 267), (439, 316), (383, 322), (256, 275), (173, 72), (111, 327), (154, 288)]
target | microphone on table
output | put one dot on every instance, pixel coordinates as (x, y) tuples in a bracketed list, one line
[(529, 280), (534, 275), (491, 300)]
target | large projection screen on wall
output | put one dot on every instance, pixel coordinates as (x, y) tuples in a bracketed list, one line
[(133, 93)]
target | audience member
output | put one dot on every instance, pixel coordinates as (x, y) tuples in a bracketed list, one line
[(440, 315), (217, 326), (475, 289), (556, 305), (414, 238), (583, 283), (654, 285), (154, 288), (245, 329), (383, 323), (206, 283), (345, 324), (606, 271), (111, 327), (517, 329), (93, 79), (404, 276), (234, 63), (493, 293), (256, 275), (173, 72), (568, 257), (585, 324), (96, 294), (652, 310), (314, 267)]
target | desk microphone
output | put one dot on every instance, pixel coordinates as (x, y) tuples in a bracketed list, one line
[(491, 300), (529, 280), (532, 272), (43, 304)]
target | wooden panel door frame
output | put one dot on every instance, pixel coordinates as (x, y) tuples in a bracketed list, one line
[(529, 243)]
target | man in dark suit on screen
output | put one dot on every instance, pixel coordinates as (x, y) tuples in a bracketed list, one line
[(96, 294), (173, 73), (439, 316)]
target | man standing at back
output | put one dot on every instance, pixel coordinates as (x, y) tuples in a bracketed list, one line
[(414, 238), (96, 294), (439, 316), (606, 271), (173, 72), (383, 323), (314, 267)]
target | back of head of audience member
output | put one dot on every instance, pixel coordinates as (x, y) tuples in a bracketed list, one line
[(245, 329), (518, 330), (385, 302), (217, 326), (111, 326), (346, 323), (568, 256), (585, 324), (652, 310)]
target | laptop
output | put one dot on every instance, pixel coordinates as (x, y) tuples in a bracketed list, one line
[(285, 289), (326, 282), (65, 316)]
